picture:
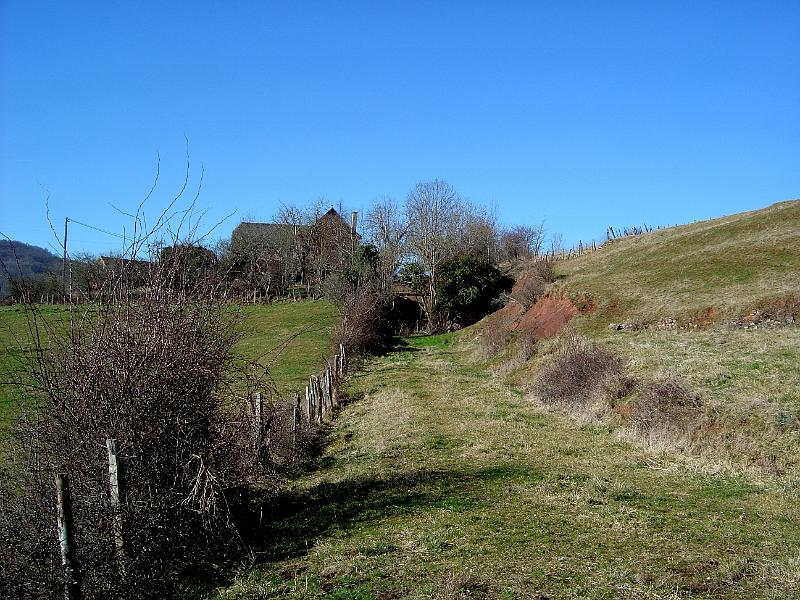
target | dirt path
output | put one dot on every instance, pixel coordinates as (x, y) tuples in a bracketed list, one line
[(442, 483)]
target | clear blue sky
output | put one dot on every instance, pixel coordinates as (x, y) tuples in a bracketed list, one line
[(583, 113)]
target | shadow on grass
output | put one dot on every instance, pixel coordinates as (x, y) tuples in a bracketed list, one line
[(289, 524), (400, 344)]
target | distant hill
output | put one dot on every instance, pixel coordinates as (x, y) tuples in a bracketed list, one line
[(18, 259), (718, 268)]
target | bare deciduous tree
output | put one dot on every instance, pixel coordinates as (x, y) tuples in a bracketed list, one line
[(556, 244), (434, 211), (479, 235), (523, 241), (386, 226)]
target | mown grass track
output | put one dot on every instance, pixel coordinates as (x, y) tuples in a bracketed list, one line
[(442, 482)]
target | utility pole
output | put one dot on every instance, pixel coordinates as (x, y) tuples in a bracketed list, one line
[(64, 261), (353, 234)]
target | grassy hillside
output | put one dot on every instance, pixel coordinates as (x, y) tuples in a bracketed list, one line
[(291, 339), (443, 482), (727, 264), (747, 380)]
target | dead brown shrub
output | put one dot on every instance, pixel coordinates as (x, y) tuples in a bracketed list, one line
[(666, 405), (785, 307), (365, 327), (581, 373), (154, 371), (494, 339), (147, 361), (528, 289), (533, 283)]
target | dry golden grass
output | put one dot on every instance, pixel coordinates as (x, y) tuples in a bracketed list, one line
[(747, 381)]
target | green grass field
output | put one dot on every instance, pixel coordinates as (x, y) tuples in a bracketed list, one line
[(14, 340), (290, 339), (441, 481)]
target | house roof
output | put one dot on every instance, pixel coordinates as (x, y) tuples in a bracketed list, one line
[(264, 229), (113, 261), (277, 230)]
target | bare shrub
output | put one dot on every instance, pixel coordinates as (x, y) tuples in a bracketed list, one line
[(494, 338), (147, 362), (579, 374), (528, 290), (154, 371), (545, 269), (336, 288), (522, 242), (364, 327), (534, 282), (527, 346), (29, 560), (666, 406)]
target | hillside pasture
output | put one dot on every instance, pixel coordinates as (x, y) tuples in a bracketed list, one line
[(15, 343), (727, 264), (291, 339)]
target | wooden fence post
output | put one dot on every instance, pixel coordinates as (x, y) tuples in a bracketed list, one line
[(317, 398), (320, 399), (314, 405), (326, 392), (310, 395), (295, 407), (66, 539), (258, 423), (323, 391), (307, 408), (330, 381), (330, 387), (295, 417), (116, 486), (323, 404)]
